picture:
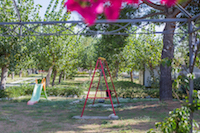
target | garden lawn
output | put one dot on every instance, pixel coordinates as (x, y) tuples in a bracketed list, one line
[(55, 116)]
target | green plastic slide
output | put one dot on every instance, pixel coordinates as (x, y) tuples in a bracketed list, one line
[(36, 94)]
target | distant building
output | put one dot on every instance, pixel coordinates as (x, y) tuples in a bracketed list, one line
[(144, 76)]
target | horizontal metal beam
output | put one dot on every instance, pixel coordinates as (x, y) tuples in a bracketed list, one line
[(98, 21), (123, 34), (79, 27)]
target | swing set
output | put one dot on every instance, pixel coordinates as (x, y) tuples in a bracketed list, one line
[(100, 64)]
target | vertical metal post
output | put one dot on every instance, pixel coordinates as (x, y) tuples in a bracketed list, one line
[(191, 54)]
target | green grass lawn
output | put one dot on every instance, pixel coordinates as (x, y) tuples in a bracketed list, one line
[(55, 116)]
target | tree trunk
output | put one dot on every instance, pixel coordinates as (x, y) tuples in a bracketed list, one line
[(12, 75), (29, 71), (33, 71), (152, 73), (166, 69), (60, 77), (4, 75), (90, 71), (131, 74), (20, 73), (117, 69), (49, 76), (54, 77), (64, 78)]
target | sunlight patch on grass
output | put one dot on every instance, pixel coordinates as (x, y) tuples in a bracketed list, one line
[(141, 106)]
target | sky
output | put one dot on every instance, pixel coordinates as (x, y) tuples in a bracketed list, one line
[(45, 3), (74, 15)]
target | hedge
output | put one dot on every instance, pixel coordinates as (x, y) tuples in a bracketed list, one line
[(24, 90), (197, 83), (137, 93)]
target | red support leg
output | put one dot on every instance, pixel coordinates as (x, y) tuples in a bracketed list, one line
[(107, 87), (112, 81), (97, 89), (101, 66), (89, 88)]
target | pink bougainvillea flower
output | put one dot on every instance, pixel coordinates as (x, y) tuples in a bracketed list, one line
[(90, 16), (98, 7), (112, 12), (116, 3), (72, 5), (89, 9), (132, 1), (169, 3)]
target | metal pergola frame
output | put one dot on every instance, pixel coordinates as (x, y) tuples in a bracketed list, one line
[(32, 28), (68, 28)]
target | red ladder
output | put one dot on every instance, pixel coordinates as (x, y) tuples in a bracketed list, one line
[(99, 65)]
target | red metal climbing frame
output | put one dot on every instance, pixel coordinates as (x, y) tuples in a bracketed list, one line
[(99, 65)]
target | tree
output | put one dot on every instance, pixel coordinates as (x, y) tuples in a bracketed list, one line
[(12, 47), (51, 49), (143, 50), (111, 46), (87, 55), (168, 48), (54, 52)]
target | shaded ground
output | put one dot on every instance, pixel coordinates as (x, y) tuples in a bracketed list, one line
[(56, 116)]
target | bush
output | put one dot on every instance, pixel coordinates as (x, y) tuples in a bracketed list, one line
[(23, 90), (177, 122), (197, 83), (180, 92), (137, 93), (3, 94), (184, 84), (127, 89), (125, 84), (82, 72), (17, 91), (179, 119), (55, 91), (134, 92), (117, 84)]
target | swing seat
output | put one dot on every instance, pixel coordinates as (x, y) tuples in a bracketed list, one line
[(101, 101)]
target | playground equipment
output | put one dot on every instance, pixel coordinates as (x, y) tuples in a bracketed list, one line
[(37, 91), (101, 62)]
